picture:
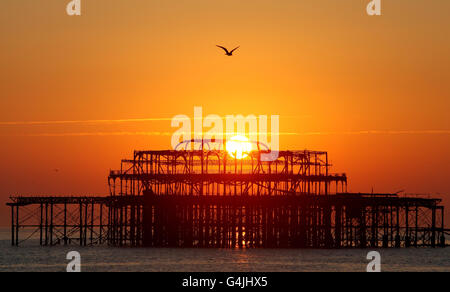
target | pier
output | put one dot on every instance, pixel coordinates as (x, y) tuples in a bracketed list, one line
[(209, 199)]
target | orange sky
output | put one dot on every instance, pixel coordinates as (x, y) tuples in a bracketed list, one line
[(324, 66)]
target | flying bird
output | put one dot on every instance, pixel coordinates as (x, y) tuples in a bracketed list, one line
[(228, 53)]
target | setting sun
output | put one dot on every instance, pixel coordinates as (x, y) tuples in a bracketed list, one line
[(239, 147)]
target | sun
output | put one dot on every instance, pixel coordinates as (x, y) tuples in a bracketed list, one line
[(239, 147)]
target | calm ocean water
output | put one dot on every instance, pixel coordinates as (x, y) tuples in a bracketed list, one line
[(31, 257)]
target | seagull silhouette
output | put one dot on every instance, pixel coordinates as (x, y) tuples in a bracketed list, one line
[(228, 53)]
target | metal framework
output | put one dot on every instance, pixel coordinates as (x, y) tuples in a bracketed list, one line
[(215, 172), (61, 220), (210, 199)]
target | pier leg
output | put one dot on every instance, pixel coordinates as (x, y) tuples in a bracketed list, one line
[(363, 238), (46, 224), (407, 240), (433, 226), (121, 224), (139, 225), (81, 224), (12, 226), (338, 227), (92, 223), (17, 225), (108, 232), (65, 224), (442, 228), (41, 225), (397, 236), (85, 223), (375, 228), (101, 225), (327, 219), (417, 227), (147, 223), (51, 224), (132, 225)]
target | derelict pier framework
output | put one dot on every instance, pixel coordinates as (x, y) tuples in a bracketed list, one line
[(210, 199)]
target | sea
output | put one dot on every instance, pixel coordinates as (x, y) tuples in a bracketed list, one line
[(30, 257)]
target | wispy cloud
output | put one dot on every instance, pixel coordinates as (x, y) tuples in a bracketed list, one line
[(324, 133), (33, 123), (81, 134), (111, 121), (370, 132)]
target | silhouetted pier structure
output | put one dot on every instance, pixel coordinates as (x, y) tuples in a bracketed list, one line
[(210, 199)]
